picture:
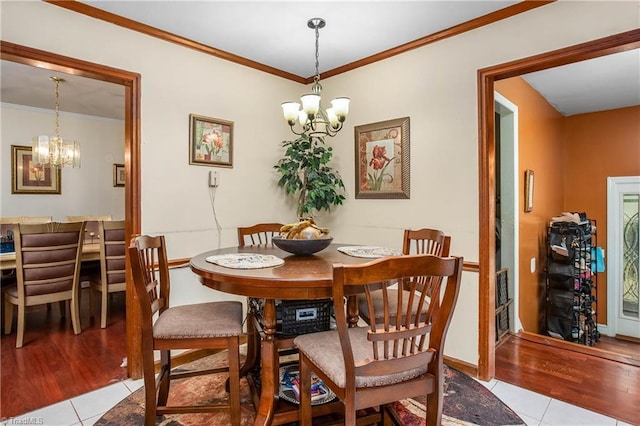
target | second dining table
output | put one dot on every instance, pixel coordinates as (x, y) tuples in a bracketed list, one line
[(295, 278)]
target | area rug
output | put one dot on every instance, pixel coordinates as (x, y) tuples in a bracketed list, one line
[(466, 402)]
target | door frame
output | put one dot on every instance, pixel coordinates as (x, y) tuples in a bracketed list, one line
[(614, 240), (486, 168), (131, 82)]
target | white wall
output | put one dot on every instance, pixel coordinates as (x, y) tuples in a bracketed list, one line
[(88, 190), (435, 86)]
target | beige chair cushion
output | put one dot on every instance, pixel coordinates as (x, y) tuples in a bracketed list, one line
[(324, 350), (202, 320)]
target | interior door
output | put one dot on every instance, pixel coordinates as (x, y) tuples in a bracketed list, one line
[(623, 242)]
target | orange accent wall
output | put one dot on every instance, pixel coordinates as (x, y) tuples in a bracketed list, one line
[(571, 158), (596, 146), (540, 149)]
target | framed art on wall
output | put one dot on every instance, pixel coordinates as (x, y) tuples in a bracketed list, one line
[(382, 159), (28, 177), (118, 175), (210, 141), (528, 190)]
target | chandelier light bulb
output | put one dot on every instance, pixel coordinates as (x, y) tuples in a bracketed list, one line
[(290, 111)]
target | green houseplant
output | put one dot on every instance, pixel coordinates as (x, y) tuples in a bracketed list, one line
[(305, 171)]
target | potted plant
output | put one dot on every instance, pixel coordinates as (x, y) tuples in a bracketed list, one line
[(305, 172)]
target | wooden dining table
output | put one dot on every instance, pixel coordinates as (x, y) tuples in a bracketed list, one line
[(299, 278)]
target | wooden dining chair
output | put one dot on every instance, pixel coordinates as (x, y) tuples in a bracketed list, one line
[(420, 241), (260, 233), (212, 325), (91, 235), (388, 360), (47, 270), (112, 275)]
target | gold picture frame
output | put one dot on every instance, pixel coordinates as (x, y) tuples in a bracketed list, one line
[(210, 141), (528, 190), (382, 159), (118, 175), (28, 177)]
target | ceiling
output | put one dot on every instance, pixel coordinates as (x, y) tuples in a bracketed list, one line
[(276, 34)]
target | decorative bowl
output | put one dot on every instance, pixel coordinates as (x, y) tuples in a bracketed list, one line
[(302, 247)]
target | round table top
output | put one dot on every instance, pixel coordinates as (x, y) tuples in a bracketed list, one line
[(300, 277)]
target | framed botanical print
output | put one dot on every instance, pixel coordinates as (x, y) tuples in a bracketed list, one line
[(28, 177), (210, 141), (382, 159)]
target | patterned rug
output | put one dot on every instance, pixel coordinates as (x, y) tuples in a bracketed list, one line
[(466, 402)]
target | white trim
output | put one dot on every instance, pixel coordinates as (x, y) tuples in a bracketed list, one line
[(509, 111)]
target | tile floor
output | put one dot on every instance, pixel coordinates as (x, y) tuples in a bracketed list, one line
[(533, 408)]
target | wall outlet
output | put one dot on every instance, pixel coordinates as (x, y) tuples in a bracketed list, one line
[(213, 179)]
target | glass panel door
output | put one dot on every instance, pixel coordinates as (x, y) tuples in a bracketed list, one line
[(623, 263), (631, 256)]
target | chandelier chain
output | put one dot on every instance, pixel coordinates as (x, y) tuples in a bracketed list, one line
[(57, 80), (317, 77)]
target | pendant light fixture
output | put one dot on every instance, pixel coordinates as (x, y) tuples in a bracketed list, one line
[(312, 118), (53, 150)]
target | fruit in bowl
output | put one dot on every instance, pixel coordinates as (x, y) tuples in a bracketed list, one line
[(303, 238), (304, 230)]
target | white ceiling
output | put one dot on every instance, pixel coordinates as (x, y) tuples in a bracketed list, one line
[(276, 34)]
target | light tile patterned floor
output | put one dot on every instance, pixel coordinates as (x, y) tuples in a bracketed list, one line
[(535, 409)]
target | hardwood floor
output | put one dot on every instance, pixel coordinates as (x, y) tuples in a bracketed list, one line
[(609, 385), (54, 364)]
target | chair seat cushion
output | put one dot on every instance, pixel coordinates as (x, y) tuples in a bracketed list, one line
[(324, 350), (202, 320), (378, 304)]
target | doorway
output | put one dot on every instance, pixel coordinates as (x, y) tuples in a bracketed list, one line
[(487, 168), (131, 82)]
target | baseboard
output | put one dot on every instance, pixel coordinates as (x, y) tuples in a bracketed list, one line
[(603, 329), (465, 367)]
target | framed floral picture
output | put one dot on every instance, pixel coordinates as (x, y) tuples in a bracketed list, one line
[(382, 159), (210, 141), (28, 177), (118, 175)]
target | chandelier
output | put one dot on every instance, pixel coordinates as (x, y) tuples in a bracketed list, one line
[(312, 118), (53, 150)]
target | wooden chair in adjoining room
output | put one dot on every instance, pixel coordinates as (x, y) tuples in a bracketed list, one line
[(212, 325), (91, 236), (387, 360), (111, 278), (260, 233), (47, 270), (419, 241)]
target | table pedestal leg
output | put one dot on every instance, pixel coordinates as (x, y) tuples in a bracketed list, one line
[(270, 362)]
